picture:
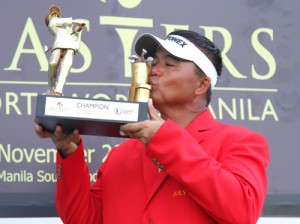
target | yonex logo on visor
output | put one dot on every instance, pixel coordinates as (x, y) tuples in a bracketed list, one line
[(177, 40)]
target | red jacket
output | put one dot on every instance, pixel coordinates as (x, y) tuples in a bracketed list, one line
[(210, 173)]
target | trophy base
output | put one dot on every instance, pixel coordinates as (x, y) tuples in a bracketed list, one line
[(89, 116)]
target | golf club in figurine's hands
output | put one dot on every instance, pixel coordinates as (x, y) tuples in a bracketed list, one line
[(64, 48)]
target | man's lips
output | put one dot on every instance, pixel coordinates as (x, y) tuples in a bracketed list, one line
[(153, 86), (151, 83)]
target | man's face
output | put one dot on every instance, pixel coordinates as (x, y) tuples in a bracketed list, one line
[(173, 81)]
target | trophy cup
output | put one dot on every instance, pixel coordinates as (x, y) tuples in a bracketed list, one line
[(91, 116), (140, 89)]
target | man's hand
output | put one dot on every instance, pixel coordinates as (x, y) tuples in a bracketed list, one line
[(145, 130), (65, 143)]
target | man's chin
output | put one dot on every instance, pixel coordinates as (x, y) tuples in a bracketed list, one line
[(155, 102)]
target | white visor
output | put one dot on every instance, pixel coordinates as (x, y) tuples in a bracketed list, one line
[(179, 47)]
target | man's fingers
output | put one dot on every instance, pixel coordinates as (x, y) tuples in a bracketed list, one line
[(40, 132), (58, 132), (131, 130), (144, 130), (131, 127), (152, 111), (76, 138)]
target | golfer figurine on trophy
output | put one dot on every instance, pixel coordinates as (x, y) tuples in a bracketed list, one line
[(63, 50)]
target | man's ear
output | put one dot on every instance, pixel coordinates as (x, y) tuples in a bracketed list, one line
[(202, 86)]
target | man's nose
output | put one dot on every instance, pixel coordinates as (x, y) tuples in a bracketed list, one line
[(155, 71)]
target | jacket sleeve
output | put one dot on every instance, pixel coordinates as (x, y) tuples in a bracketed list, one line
[(229, 185), (76, 200)]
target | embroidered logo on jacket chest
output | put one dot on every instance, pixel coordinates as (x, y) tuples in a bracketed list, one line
[(180, 193)]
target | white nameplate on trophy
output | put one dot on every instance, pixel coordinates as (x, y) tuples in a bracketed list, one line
[(103, 110)]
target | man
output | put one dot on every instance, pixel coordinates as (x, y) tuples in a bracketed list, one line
[(182, 167), (63, 49)]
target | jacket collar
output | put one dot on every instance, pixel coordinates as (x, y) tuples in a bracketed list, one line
[(202, 122)]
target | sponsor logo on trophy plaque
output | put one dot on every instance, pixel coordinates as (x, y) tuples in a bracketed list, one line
[(89, 116)]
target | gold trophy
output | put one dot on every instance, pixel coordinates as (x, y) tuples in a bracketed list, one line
[(98, 117), (140, 89)]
